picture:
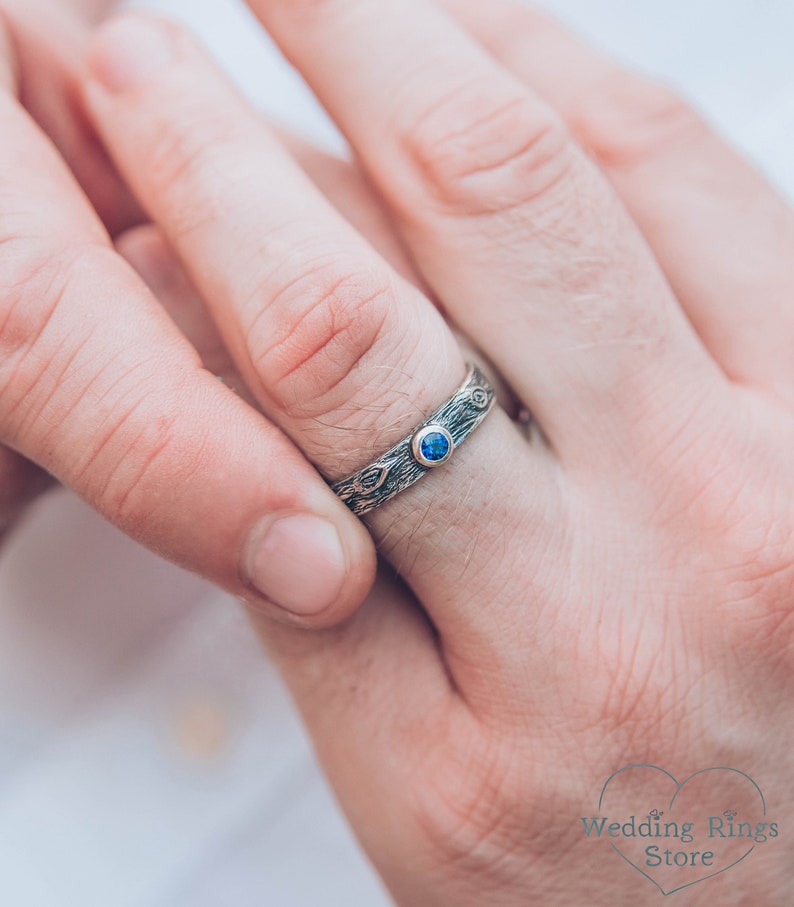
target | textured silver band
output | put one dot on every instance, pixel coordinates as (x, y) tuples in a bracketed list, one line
[(445, 430)]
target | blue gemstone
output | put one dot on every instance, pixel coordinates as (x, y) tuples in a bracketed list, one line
[(435, 447)]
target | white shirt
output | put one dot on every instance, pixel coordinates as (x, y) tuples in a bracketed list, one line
[(148, 754)]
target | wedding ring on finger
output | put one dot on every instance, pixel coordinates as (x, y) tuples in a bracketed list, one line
[(430, 445)]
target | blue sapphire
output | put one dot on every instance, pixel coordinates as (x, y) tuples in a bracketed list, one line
[(435, 447), (432, 445)]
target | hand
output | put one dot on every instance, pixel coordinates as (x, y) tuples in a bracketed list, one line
[(100, 390), (619, 589)]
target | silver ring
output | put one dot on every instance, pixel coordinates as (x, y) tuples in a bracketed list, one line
[(429, 446)]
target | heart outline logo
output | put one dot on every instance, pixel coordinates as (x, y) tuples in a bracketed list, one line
[(679, 787)]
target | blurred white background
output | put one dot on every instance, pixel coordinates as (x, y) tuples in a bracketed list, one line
[(148, 755)]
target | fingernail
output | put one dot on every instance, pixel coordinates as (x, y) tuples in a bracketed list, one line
[(129, 51), (297, 562)]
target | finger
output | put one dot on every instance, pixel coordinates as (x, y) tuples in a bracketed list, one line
[(373, 678), (50, 41), (523, 240), (149, 252), (722, 234), (95, 10), (346, 187), (346, 357), (99, 388), (20, 480)]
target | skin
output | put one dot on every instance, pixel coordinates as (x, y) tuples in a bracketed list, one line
[(121, 409), (50, 90), (615, 589)]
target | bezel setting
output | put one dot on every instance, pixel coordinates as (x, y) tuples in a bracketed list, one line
[(419, 439)]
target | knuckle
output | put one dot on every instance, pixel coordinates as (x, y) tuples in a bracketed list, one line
[(185, 157), (59, 383), (314, 331), (88, 407), (178, 152), (624, 120), (479, 157)]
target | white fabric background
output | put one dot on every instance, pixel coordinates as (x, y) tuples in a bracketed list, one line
[(148, 755)]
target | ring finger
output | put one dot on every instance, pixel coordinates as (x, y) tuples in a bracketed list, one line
[(519, 234), (343, 353)]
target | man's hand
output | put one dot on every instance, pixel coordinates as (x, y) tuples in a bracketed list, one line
[(617, 588)]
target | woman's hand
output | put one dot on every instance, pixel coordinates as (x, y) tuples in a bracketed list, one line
[(616, 590), (99, 389)]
